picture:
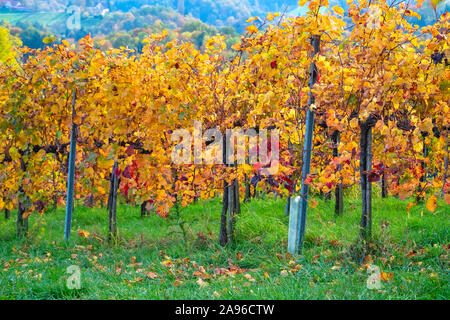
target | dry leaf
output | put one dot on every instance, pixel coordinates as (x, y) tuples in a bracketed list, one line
[(386, 276), (313, 203), (152, 275), (83, 233), (201, 283), (249, 277)]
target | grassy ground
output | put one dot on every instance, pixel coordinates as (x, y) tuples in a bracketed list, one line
[(50, 19), (152, 261), (31, 17)]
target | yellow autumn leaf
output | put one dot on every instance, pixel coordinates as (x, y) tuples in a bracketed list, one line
[(301, 3), (271, 16), (354, 123), (167, 263), (338, 10), (48, 40), (435, 3), (252, 29), (101, 190)]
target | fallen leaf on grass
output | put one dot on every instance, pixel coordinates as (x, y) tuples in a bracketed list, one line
[(249, 277), (201, 283), (118, 270), (335, 268), (313, 203), (136, 280), (433, 275), (152, 275), (177, 283), (167, 263), (367, 259), (386, 276), (84, 233)]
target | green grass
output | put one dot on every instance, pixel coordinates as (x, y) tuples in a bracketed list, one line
[(49, 19), (331, 267), (45, 19)]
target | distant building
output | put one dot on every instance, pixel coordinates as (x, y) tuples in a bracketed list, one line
[(99, 10), (12, 5)]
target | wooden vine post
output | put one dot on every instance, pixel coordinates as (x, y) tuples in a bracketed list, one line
[(22, 221), (444, 178), (339, 192), (71, 174), (299, 205), (230, 202), (112, 206), (365, 168)]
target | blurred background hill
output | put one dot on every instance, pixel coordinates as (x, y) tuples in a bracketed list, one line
[(127, 22)]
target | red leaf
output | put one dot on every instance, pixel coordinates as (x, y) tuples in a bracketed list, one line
[(308, 180)]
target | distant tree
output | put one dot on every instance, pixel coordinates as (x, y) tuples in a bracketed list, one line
[(8, 44), (124, 40), (32, 37)]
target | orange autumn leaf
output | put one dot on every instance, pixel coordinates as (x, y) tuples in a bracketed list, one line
[(447, 198), (432, 203), (386, 276), (313, 203), (404, 194), (83, 233), (368, 259)]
